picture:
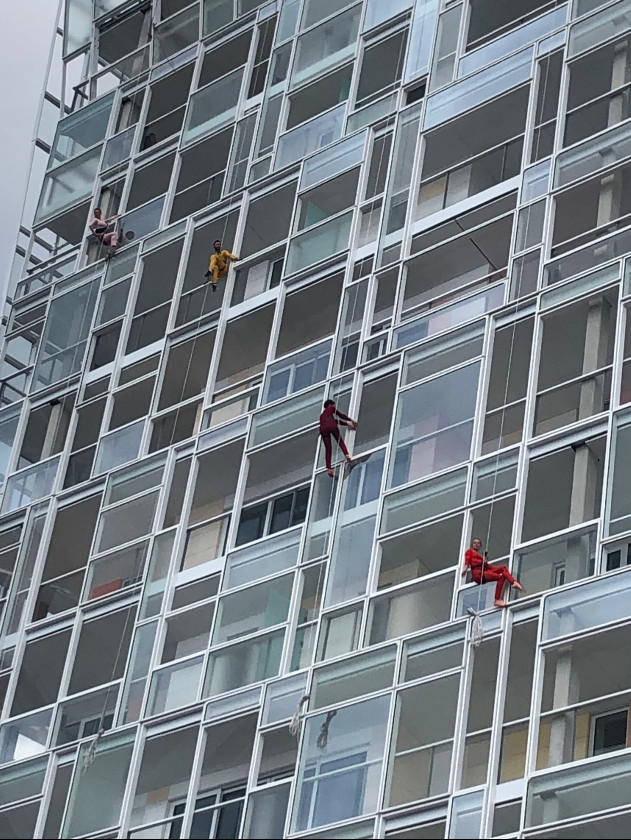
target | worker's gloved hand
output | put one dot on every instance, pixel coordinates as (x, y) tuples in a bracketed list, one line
[(207, 274)]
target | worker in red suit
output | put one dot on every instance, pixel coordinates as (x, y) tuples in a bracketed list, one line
[(329, 428), (483, 572)]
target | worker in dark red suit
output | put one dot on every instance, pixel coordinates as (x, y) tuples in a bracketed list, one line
[(329, 428), (483, 572)]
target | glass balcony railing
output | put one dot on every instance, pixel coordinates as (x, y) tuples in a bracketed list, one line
[(506, 44), (300, 142), (319, 243), (597, 785), (212, 107)]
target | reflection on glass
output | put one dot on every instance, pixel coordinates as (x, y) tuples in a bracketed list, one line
[(266, 812), (244, 663), (118, 447), (137, 670), (25, 737), (119, 147), (340, 764), (212, 106), (141, 222), (127, 522), (80, 130), (300, 142), (68, 184), (174, 686), (285, 418), (86, 715), (315, 244), (22, 780), (253, 609), (552, 563), (325, 45), (434, 424), (27, 486), (263, 559), (67, 327)]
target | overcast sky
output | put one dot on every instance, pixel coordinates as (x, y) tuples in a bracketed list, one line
[(25, 39)]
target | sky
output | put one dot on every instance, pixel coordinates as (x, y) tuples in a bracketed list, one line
[(25, 39)]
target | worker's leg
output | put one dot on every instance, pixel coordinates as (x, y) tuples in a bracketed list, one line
[(328, 451), (340, 442), (500, 574)]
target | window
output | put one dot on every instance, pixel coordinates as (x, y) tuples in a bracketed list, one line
[(382, 66), (256, 279), (162, 775), (150, 181), (326, 45), (216, 815), (66, 558), (268, 219), (272, 516), (434, 425), (265, 41), (598, 96), (464, 263), (65, 335), (167, 106), (473, 152), (506, 399), (309, 314), (341, 783), (490, 18), (423, 745), (556, 495), (319, 96), (244, 350), (609, 732), (574, 372), (297, 372), (155, 295)]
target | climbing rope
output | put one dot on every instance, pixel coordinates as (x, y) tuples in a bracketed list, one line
[(295, 724), (477, 629)]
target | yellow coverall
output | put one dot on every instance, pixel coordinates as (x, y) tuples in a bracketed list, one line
[(219, 265)]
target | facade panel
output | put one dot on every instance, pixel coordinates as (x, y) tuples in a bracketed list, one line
[(422, 210)]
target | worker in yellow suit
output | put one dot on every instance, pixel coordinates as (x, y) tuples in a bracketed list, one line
[(219, 263)]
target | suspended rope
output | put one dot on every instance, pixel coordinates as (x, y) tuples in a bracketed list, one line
[(476, 634), (323, 737), (202, 312), (90, 755), (295, 724)]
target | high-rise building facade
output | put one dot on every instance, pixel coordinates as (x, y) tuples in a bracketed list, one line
[(203, 633)]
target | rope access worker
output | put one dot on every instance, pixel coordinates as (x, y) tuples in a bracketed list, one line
[(99, 228), (218, 267), (483, 572), (329, 428)]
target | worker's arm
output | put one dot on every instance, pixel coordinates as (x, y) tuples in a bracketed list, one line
[(230, 256), (467, 561), (346, 420)]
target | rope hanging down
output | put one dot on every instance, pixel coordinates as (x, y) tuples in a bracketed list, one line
[(295, 724), (477, 629)]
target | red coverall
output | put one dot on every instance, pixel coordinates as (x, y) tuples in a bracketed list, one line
[(497, 573), (329, 428)]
